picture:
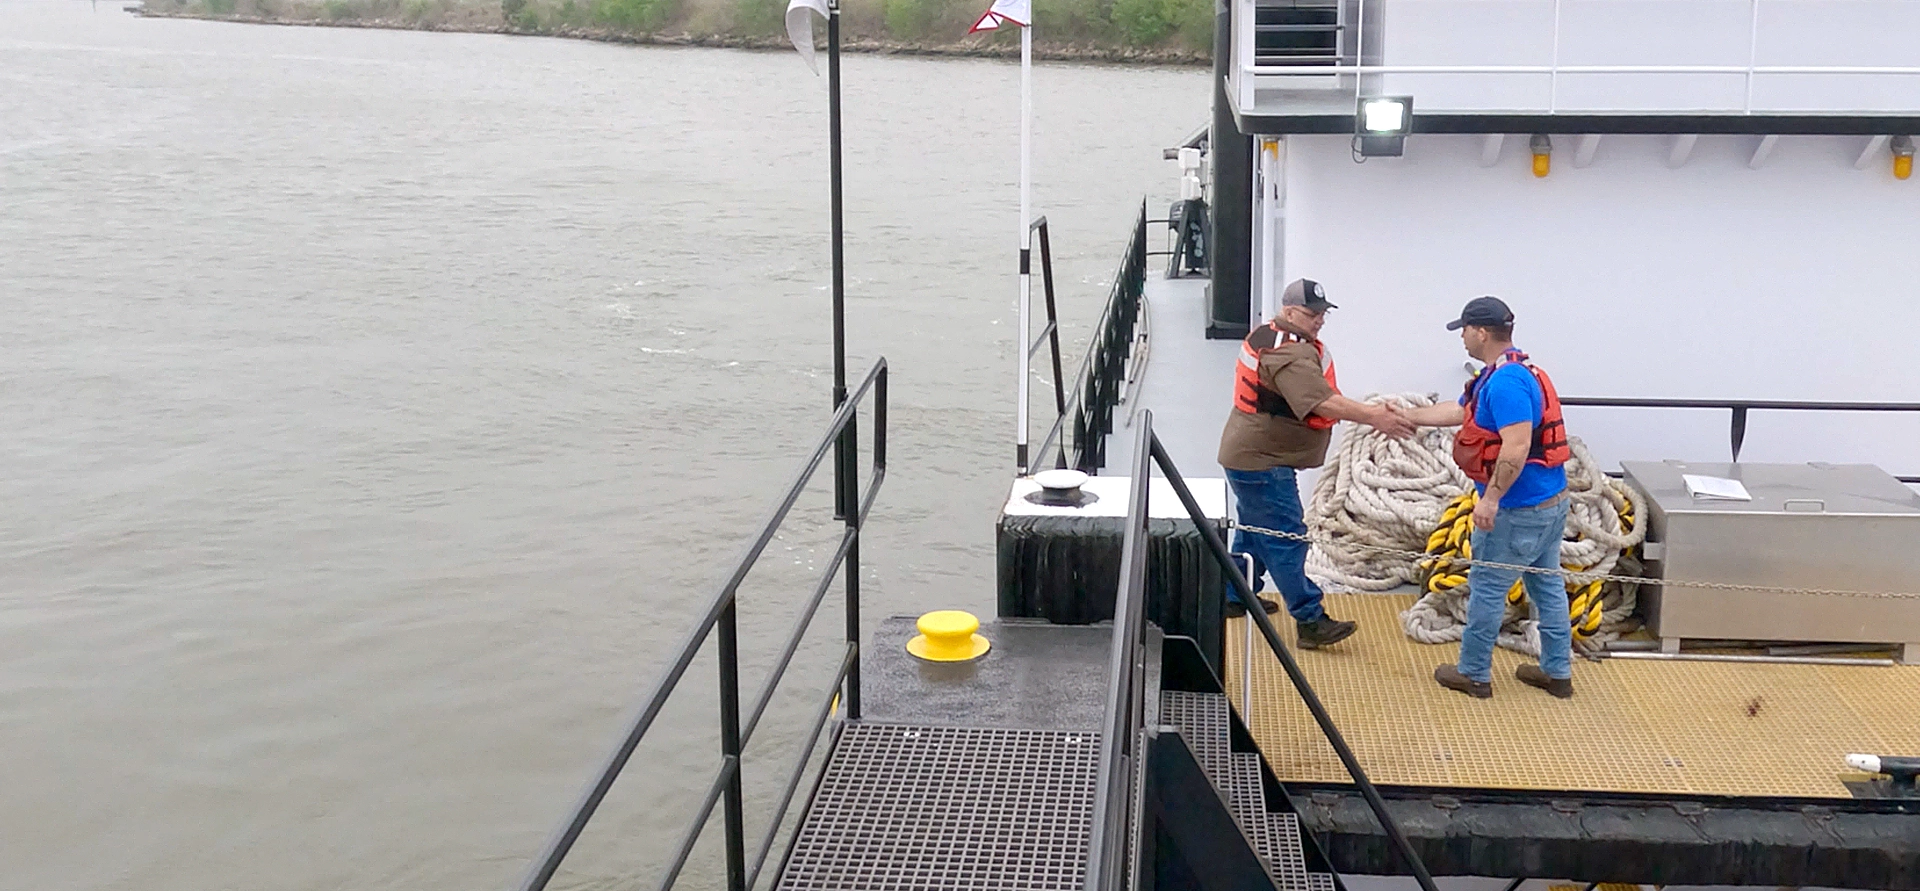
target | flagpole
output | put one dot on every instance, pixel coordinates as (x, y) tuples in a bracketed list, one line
[(1026, 233)]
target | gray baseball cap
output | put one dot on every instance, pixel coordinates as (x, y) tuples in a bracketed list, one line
[(1308, 293)]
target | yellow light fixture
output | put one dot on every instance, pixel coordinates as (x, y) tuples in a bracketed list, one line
[(1542, 154), (947, 635), (1902, 147)]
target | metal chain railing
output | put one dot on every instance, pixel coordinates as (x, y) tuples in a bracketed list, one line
[(1573, 574)]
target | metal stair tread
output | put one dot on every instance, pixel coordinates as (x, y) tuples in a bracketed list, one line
[(1202, 721), (925, 806), (1289, 869)]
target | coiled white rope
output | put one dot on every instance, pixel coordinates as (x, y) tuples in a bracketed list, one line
[(1387, 493), (1383, 492)]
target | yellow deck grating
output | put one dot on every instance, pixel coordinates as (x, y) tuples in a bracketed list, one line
[(1667, 727)]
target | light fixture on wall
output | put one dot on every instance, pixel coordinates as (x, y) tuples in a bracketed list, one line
[(1902, 148), (1381, 124), (1542, 148)]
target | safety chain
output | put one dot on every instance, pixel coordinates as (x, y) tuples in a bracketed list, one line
[(1582, 577)]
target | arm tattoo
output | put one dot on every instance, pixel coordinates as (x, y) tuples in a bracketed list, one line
[(1505, 471)]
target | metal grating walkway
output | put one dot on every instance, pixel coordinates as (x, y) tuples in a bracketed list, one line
[(910, 806), (1691, 728), (1202, 719)]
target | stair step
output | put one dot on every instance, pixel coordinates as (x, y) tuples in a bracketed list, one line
[(1289, 868), (1249, 804), (1275, 836), (1202, 720)]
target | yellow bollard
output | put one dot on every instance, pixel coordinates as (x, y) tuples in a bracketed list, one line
[(947, 635)]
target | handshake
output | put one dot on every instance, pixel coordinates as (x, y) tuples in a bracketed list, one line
[(1396, 421), (1391, 419)]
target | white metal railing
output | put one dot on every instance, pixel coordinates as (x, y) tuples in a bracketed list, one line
[(1473, 85)]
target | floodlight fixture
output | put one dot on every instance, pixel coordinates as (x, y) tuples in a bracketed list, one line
[(1381, 124)]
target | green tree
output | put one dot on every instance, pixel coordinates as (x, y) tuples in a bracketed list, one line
[(910, 19), (1142, 22), (760, 17), (632, 15)]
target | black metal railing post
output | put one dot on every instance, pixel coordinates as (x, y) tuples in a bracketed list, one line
[(1053, 318), (731, 809), (852, 569), (1298, 678)]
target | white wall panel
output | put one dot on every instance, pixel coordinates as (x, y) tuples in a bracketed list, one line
[(1654, 32), (1629, 278)]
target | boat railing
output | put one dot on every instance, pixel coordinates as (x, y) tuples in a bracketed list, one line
[(1116, 795), (720, 616), (1049, 336), (1078, 437), (1737, 423), (1798, 55)]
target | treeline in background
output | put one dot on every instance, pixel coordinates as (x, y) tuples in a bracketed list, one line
[(1174, 28)]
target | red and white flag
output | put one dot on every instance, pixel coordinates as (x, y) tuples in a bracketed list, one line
[(1005, 12)]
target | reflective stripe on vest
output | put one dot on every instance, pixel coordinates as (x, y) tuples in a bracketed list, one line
[(1252, 396), (1476, 448)]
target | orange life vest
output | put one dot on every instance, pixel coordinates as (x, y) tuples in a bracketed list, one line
[(1252, 396), (1476, 448)]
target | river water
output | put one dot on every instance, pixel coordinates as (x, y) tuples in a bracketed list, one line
[(380, 406)]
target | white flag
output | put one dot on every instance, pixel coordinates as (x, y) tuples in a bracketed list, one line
[(1018, 12), (800, 27)]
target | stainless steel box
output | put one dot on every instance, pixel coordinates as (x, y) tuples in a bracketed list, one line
[(1842, 527)]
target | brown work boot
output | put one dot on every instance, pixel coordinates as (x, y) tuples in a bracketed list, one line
[(1235, 609), (1450, 677), (1531, 675), (1324, 631)]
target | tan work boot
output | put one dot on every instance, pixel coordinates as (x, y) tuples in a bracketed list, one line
[(1531, 675)]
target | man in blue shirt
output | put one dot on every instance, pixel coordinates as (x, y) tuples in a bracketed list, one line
[(1513, 444)]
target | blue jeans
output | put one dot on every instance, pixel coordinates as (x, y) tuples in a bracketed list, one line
[(1528, 536), (1271, 498)]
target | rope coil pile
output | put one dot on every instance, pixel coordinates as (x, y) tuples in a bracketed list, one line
[(1383, 492), (1408, 496)]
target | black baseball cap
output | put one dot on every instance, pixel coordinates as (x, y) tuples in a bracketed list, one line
[(1486, 312), (1308, 293)]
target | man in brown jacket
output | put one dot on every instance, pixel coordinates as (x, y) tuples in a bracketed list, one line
[(1285, 403)]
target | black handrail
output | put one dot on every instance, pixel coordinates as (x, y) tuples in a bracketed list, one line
[(1103, 372), (1737, 429), (721, 614), (1280, 651), (1050, 334), (1112, 796)]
